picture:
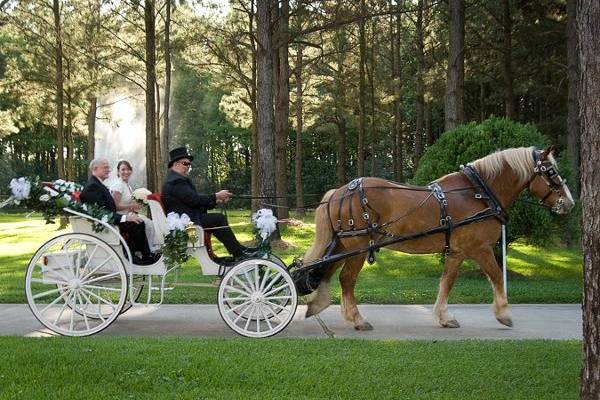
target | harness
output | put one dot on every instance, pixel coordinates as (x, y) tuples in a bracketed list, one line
[(377, 232)]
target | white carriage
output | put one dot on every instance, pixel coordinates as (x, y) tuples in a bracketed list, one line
[(78, 283)]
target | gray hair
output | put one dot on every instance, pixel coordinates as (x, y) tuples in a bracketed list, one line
[(95, 163)]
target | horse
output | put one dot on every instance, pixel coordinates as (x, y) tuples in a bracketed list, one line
[(460, 214)]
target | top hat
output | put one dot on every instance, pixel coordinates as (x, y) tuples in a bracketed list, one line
[(178, 154)]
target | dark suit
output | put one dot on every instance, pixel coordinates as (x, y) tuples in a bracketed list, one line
[(180, 195), (95, 192)]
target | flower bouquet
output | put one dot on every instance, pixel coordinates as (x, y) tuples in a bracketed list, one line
[(176, 241), (141, 195), (265, 223), (48, 198)]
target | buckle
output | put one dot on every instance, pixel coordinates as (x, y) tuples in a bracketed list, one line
[(366, 216), (351, 222), (478, 196), (365, 201)]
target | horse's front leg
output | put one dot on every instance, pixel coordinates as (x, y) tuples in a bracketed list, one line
[(440, 309), (486, 260), (348, 278), (321, 298)]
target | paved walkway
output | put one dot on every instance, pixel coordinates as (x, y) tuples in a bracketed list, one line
[(537, 321)]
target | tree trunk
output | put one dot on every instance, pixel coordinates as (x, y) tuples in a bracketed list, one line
[(264, 101), (360, 154), (282, 109), (70, 162), (91, 123), (396, 42), (60, 138), (255, 204), (455, 114), (371, 75), (164, 137), (420, 86), (588, 27), (158, 167), (150, 28), (573, 128), (509, 95), (300, 212), (340, 114)]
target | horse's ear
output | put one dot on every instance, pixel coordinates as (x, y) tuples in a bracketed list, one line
[(547, 151)]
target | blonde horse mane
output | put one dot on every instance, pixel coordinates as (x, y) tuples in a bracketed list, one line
[(520, 160)]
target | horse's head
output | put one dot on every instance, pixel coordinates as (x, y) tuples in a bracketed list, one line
[(547, 185)]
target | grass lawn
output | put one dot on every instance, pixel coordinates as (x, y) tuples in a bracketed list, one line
[(536, 275), (184, 368)]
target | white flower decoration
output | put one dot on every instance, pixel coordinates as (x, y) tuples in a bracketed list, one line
[(20, 189), (141, 194), (265, 222), (44, 198)]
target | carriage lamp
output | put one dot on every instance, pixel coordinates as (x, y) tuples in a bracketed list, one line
[(190, 229)]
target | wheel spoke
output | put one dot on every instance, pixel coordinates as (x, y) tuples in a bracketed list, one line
[(262, 311), (101, 278), (250, 280), (48, 281), (63, 307), (233, 289), (99, 314), (235, 298), (96, 269), (256, 278), (241, 314), (84, 312), (264, 280), (280, 297), (234, 277), (273, 281), (277, 289), (237, 307), (102, 288), (276, 315), (102, 299), (55, 301), (250, 317), (46, 293)]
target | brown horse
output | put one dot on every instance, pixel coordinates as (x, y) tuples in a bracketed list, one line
[(373, 209)]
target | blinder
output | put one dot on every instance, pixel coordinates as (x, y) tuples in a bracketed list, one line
[(549, 174)]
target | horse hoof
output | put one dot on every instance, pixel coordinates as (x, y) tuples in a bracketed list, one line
[(450, 324), (365, 326), (506, 321)]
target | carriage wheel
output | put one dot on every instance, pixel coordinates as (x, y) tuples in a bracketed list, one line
[(76, 285), (257, 298), (137, 287)]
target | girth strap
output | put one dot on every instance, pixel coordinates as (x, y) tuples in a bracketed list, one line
[(445, 218)]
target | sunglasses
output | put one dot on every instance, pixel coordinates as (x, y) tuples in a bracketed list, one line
[(186, 163)]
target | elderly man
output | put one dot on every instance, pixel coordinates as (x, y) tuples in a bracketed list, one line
[(180, 195), (132, 225)]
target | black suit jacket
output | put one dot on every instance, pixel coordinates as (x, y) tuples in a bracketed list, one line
[(95, 192), (180, 195)]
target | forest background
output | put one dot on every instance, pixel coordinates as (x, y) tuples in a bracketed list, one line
[(280, 97)]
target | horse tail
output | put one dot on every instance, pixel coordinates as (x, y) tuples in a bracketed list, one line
[(323, 228)]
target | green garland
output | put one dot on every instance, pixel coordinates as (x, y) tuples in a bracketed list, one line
[(175, 248)]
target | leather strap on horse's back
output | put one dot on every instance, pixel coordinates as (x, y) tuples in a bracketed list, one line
[(488, 194)]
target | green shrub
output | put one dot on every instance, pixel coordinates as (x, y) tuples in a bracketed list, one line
[(472, 141)]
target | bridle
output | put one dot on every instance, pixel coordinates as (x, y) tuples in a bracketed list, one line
[(547, 171)]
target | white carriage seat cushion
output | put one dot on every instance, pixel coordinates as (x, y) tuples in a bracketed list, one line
[(159, 220)]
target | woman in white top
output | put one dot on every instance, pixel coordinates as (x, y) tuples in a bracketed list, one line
[(123, 195)]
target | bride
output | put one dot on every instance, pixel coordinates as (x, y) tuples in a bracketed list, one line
[(123, 195)]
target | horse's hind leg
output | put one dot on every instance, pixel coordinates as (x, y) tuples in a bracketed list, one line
[(348, 278), (486, 260), (440, 309), (321, 298)]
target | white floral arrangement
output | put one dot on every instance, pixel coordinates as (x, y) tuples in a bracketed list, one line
[(265, 222), (177, 222), (176, 242), (48, 198), (141, 195)]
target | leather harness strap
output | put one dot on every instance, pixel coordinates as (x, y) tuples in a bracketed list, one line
[(486, 194)]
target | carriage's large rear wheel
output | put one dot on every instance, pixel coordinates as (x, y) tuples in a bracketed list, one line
[(76, 284), (257, 298)]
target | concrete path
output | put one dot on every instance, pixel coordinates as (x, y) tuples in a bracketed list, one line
[(538, 321)]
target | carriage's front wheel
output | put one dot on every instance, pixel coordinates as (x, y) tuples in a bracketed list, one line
[(76, 284), (257, 298)]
